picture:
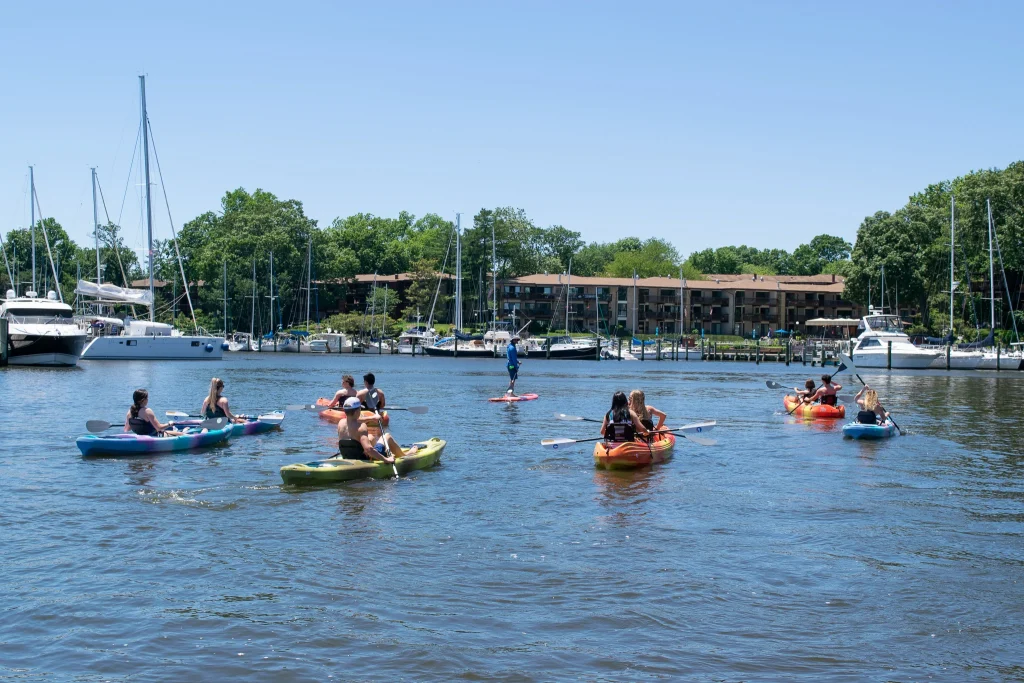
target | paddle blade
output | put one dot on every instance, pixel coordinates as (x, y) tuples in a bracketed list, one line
[(696, 427), (178, 413), (699, 440), (570, 418), (773, 385), (555, 444), (272, 418), (214, 423), (97, 426), (415, 410), (846, 363)]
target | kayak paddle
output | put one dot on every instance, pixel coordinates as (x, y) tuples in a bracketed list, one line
[(95, 426), (847, 364), (688, 432), (416, 410), (695, 439)]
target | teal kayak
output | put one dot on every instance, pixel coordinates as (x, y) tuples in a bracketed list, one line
[(856, 430), (134, 444)]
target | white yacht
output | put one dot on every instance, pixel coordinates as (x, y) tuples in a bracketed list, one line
[(871, 348), (416, 337), (41, 331)]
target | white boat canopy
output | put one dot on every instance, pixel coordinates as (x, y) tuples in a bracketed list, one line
[(832, 322), (108, 293)]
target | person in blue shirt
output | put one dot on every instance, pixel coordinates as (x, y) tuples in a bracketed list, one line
[(512, 354)]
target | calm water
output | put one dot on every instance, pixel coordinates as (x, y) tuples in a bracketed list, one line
[(784, 552)]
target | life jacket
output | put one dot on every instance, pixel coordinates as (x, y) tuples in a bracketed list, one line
[(867, 417), (371, 402), (619, 432), (828, 400), (350, 449), (141, 427)]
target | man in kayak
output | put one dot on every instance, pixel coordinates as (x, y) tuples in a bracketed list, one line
[(512, 355), (871, 411), (371, 396), (354, 441), (826, 393), (348, 390)]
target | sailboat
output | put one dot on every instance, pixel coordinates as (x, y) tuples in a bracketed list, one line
[(993, 360), (241, 341), (958, 358), (271, 341), (147, 339)]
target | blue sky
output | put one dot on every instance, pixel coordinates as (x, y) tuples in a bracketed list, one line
[(703, 123)]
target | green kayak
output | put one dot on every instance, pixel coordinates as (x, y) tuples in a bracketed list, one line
[(339, 469)]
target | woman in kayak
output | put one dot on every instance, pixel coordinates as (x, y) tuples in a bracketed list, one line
[(354, 442), (826, 393), (348, 390), (638, 404), (805, 393), (142, 420), (871, 411), (620, 423), (215, 404)]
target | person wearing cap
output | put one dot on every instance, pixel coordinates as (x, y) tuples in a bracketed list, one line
[(512, 355), (354, 442)]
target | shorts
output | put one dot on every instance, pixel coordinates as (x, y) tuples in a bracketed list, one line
[(379, 447), (513, 372)]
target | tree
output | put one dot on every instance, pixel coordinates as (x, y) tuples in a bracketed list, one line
[(420, 294), (561, 244), (656, 257)]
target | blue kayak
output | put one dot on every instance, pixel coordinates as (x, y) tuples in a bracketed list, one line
[(856, 430)]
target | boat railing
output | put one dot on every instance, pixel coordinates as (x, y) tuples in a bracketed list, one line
[(40, 319)]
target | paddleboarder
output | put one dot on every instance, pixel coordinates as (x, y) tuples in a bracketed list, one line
[(512, 357)]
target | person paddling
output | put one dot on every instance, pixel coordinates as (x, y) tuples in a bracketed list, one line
[(512, 356), (215, 404), (371, 396), (142, 420), (354, 442), (805, 394), (348, 390), (638, 404), (620, 423), (826, 393), (871, 411)]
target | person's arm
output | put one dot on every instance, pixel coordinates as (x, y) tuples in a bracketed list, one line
[(127, 416), (370, 451), (838, 386), (151, 417), (381, 400), (223, 403), (816, 395), (202, 408), (860, 393), (658, 414), (604, 425), (336, 401)]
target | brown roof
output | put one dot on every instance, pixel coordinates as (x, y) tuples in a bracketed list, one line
[(779, 283), (144, 284)]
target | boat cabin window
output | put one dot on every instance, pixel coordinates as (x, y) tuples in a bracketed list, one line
[(30, 316), (881, 323), (870, 341)]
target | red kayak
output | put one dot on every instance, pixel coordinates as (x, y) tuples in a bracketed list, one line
[(514, 399)]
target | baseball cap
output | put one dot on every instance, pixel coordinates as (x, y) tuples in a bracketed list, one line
[(352, 403)]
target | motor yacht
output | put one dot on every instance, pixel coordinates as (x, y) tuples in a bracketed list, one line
[(41, 331), (871, 348)]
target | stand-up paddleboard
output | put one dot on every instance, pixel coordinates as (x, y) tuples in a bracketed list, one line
[(514, 399)]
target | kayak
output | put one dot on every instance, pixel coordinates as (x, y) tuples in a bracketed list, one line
[(339, 469), (252, 425), (612, 456), (514, 399), (814, 410), (856, 430), (337, 415), (134, 444)]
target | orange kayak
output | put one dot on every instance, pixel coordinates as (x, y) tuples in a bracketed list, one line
[(814, 410), (366, 416), (619, 456)]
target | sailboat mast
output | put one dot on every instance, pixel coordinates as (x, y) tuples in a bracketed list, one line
[(568, 293), (32, 210), (384, 316), (272, 294), (252, 317), (883, 290), (149, 204), (494, 279), (991, 272), (952, 244), (225, 298), (96, 228), (309, 279), (458, 271)]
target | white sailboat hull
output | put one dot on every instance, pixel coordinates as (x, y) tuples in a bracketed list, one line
[(129, 347)]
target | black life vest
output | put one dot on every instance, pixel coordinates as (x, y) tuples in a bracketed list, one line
[(141, 427), (350, 449), (217, 412), (619, 432), (828, 400), (867, 417)]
